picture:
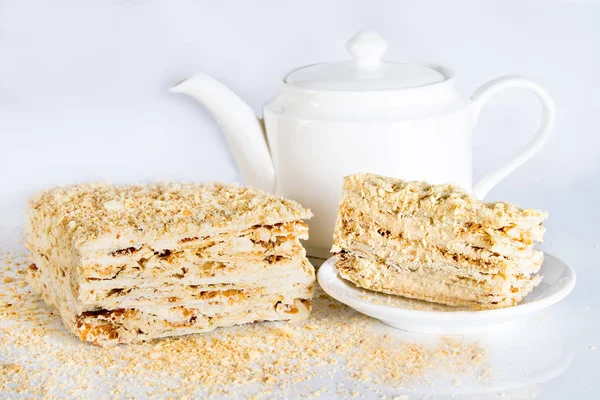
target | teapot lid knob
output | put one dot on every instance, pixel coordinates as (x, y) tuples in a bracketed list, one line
[(367, 48), (367, 71)]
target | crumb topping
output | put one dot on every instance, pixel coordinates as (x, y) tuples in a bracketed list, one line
[(88, 211), (445, 199)]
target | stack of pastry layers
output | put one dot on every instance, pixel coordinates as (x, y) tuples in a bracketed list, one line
[(436, 243), (133, 263)]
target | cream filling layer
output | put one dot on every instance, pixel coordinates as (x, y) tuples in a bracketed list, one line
[(217, 297), (125, 326), (525, 229), (131, 261), (446, 236), (436, 286), (116, 241), (396, 251)]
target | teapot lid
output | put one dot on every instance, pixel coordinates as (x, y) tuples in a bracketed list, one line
[(366, 72)]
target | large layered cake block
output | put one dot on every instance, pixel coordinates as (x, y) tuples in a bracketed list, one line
[(125, 264), (436, 243)]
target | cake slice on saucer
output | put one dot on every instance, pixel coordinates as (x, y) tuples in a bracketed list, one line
[(436, 243)]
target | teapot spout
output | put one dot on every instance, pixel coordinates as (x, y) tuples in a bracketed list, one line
[(242, 128)]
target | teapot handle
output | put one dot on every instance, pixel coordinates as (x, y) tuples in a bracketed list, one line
[(483, 94)]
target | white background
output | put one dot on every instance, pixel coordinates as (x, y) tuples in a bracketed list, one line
[(83, 84), (83, 92)]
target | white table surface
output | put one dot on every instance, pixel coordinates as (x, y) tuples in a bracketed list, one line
[(549, 356)]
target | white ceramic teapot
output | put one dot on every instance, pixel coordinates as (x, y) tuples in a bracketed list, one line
[(366, 115)]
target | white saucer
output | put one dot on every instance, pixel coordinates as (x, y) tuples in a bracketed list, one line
[(423, 317)]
